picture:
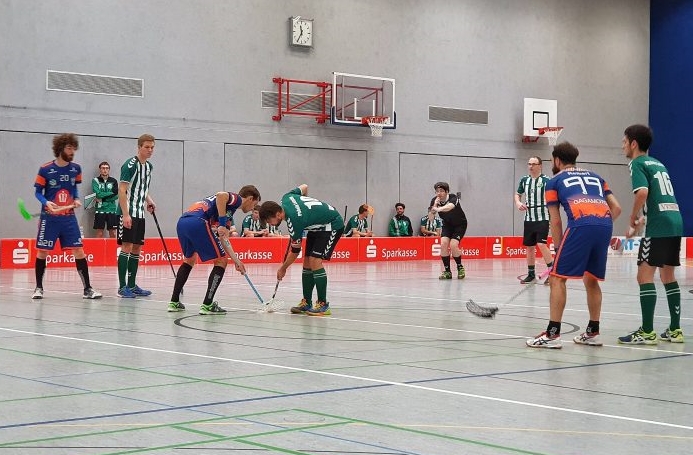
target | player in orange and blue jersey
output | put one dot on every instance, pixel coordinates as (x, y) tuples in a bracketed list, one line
[(203, 231), (591, 209), (56, 189)]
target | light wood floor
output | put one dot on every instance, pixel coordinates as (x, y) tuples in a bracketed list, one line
[(399, 368)]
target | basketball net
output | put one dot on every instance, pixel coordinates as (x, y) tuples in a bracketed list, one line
[(376, 123), (551, 133)]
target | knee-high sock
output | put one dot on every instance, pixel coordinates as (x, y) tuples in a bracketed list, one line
[(674, 300), (133, 264), (123, 259), (320, 277), (83, 271), (215, 277), (458, 261), (40, 269), (308, 282), (648, 299), (181, 278), (446, 262)]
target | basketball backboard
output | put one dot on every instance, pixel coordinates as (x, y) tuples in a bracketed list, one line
[(356, 96), (539, 113)]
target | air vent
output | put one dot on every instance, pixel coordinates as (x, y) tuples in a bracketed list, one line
[(312, 103), (454, 115), (91, 83)]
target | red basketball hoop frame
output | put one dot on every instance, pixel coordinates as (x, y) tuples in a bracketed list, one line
[(291, 103), (376, 122), (551, 133)]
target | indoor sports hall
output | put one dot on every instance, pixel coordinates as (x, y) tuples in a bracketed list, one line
[(366, 102)]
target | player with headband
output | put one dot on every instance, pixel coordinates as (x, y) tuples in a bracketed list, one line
[(448, 208)]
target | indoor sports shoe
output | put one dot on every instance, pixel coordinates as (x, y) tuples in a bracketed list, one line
[(673, 336), (126, 293), (460, 272), (543, 340), (301, 308), (320, 309), (212, 308), (91, 294), (639, 337), (38, 294), (139, 292), (174, 307), (590, 339), (445, 276), (529, 279)]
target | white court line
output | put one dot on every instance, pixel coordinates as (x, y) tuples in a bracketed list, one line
[(360, 378), (394, 324)]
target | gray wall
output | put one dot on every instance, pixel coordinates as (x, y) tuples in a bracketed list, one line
[(206, 62)]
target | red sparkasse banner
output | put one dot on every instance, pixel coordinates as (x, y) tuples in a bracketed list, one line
[(391, 249), (689, 248), (510, 247)]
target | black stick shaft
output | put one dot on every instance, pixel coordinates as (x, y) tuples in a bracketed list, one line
[(168, 255)]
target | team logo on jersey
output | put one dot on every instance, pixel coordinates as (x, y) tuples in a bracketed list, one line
[(52, 183)]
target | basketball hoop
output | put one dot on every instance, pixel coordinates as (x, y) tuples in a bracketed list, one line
[(551, 133), (376, 123)]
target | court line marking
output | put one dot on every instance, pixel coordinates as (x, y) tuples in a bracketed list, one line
[(358, 378)]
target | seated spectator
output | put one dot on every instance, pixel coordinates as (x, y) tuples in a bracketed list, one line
[(400, 224), (431, 224), (357, 226), (253, 227)]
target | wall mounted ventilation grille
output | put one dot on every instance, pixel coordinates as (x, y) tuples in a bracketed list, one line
[(269, 100), (454, 115), (95, 84)]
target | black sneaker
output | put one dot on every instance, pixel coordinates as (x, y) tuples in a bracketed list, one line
[(91, 294), (529, 279)]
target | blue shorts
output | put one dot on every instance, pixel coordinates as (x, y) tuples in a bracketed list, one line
[(52, 228), (583, 250), (195, 236)]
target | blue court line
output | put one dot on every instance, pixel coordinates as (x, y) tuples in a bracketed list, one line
[(316, 392)]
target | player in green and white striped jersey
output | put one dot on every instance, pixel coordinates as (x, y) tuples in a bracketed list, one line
[(133, 202), (536, 224)]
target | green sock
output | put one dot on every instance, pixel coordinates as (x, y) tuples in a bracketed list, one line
[(648, 300), (674, 300), (308, 282), (133, 263), (122, 268), (320, 277)]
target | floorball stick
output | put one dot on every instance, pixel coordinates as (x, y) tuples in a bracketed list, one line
[(21, 206), (273, 304), (163, 242), (489, 311)]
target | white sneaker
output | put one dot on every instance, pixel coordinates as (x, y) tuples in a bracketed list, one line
[(543, 340), (38, 294), (89, 293), (590, 339)]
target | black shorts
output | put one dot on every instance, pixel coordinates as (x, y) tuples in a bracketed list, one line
[(321, 244), (454, 232), (106, 220), (134, 235), (660, 251), (535, 232)]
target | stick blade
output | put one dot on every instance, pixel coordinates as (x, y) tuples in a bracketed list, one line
[(487, 312), (21, 206)]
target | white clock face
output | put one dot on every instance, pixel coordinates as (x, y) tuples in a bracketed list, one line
[(302, 33)]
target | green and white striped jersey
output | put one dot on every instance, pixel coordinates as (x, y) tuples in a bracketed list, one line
[(535, 199), (138, 176)]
